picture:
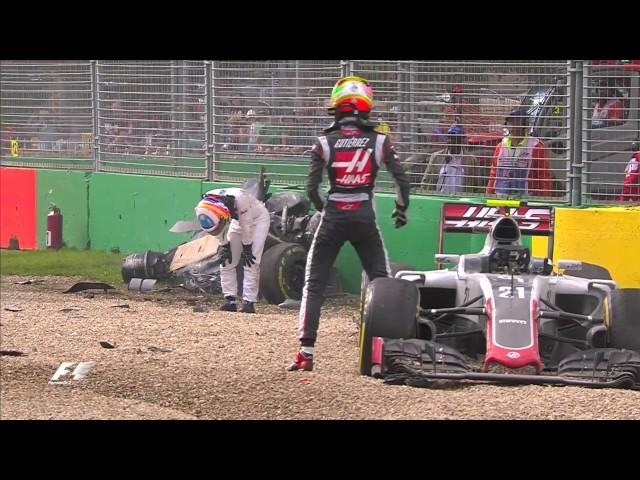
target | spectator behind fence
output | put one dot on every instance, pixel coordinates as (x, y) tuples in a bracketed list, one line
[(270, 135), (253, 132), (113, 128), (48, 136), (234, 127), (609, 109), (298, 137), (519, 166), (451, 170), (133, 130), (35, 126), (457, 101), (383, 126), (631, 185), (448, 118)]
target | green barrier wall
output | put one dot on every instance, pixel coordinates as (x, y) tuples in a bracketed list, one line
[(134, 213), (415, 244), (70, 192)]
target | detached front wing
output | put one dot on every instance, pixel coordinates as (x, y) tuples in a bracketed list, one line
[(420, 362)]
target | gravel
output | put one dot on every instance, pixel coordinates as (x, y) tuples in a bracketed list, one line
[(169, 363)]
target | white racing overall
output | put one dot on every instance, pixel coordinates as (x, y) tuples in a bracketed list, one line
[(250, 225)]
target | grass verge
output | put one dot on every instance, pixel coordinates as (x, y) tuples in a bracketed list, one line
[(89, 264)]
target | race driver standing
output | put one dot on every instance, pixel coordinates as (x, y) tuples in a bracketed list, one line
[(352, 153)]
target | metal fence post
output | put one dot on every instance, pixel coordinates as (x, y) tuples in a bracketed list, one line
[(174, 106), (403, 96), (210, 120), (412, 100), (575, 131), (346, 68), (95, 118), (581, 153)]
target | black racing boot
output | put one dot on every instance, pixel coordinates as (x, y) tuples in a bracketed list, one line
[(229, 305), (247, 307)]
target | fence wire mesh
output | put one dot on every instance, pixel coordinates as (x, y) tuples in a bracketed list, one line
[(45, 114), (223, 120), (151, 117), (611, 132), (267, 113), (419, 101)]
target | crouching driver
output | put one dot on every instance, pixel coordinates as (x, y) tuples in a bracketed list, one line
[(241, 224)]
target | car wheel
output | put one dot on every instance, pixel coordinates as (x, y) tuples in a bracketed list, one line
[(624, 324), (364, 280), (282, 270), (390, 310)]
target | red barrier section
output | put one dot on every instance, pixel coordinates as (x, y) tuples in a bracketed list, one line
[(18, 207)]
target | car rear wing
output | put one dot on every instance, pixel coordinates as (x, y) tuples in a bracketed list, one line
[(532, 220)]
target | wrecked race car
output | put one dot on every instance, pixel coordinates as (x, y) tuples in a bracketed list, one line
[(501, 315), (195, 265)]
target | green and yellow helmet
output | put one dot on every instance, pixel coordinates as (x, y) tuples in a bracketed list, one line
[(351, 93)]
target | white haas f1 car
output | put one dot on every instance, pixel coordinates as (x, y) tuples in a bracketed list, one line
[(501, 315)]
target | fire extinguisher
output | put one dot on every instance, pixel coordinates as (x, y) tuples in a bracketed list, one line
[(54, 227)]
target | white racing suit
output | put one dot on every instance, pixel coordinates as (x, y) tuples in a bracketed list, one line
[(249, 225)]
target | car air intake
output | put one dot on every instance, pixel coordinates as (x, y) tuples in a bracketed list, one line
[(506, 230)]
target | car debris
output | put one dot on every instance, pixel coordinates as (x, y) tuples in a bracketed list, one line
[(105, 344), (70, 309), (183, 226), (290, 304), (122, 305), (159, 349), (195, 265), (12, 353), (142, 284), (81, 286), (28, 282), (13, 309)]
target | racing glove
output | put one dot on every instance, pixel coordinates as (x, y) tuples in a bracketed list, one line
[(224, 251), (247, 257), (400, 214)]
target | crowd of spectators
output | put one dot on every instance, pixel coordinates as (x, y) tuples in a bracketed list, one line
[(249, 126)]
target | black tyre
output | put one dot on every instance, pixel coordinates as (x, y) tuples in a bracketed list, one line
[(391, 311), (271, 241), (282, 272), (624, 326), (364, 280)]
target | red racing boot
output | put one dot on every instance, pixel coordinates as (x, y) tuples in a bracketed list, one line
[(303, 361)]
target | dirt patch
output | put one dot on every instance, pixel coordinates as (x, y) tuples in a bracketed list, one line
[(171, 363)]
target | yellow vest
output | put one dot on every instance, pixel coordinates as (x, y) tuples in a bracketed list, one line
[(383, 127)]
